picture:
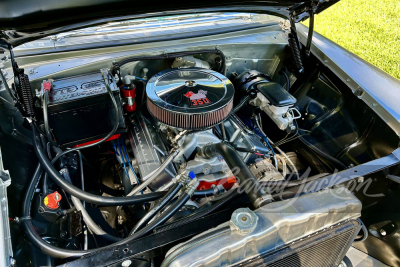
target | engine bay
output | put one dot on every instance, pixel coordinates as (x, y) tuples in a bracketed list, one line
[(192, 159)]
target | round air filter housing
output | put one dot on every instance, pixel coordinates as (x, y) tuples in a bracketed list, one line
[(191, 98)]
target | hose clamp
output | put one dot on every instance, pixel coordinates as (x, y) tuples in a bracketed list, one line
[(182, 177)]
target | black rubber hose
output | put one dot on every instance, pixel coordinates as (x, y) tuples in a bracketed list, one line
[(159, 206), (204, 193), (287, 80), (57, 252), (165, 216), (241, 104), (92, 225), (222, 127), (29, 230), (46, 119), (45, 187), (248, 181), (188, 219), (77, 192), (3, 79), (31, 190), (85, 232)]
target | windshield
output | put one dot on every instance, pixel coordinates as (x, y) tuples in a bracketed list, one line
[(142, 30)]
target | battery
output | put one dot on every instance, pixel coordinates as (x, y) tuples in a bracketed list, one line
[(80, 109)]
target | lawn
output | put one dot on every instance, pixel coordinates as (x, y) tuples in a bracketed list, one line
[(368, 28)]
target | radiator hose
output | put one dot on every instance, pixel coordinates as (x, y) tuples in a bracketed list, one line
[(92, 225)]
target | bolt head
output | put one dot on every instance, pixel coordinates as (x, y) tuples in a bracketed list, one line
[(126, 263)]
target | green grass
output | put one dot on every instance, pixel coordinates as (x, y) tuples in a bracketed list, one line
[(368, 28)]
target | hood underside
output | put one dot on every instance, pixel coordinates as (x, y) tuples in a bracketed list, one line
[(27, 20)]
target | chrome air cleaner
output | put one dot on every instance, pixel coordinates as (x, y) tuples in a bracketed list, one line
[(191, 98)]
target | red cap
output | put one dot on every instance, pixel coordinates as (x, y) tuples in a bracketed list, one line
[(51, 200), (47, 86)]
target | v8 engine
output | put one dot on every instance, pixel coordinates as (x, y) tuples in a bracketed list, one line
[(178, 167)]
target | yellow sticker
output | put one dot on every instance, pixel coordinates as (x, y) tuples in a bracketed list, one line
[(46, 201)]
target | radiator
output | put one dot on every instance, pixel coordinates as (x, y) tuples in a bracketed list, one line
[(313, 230), (323, 249)]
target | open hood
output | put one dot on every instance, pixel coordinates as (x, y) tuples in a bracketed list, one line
[(26, 20)]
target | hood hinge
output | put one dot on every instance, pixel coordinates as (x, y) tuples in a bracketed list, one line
[(20, 90), (289, 27)]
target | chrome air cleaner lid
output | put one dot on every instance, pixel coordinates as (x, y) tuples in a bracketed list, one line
[(191, 98)]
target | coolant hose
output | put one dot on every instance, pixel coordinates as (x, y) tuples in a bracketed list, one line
[(241, 104), (91, 224), (287, 81), (165, 216), (57, 252), (46, 118), (248, 181), (204, 193), (159, 206), (77, 192)]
